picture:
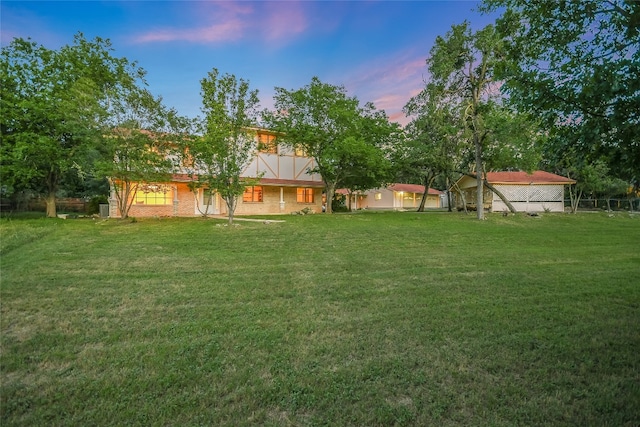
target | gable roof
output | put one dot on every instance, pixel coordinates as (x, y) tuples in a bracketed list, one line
[(536, 177)]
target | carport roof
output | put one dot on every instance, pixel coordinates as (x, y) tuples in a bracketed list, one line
[(536, 177)]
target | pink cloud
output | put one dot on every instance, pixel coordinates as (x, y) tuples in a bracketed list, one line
[(284, 19), (229, 21), (386, 101), (211, 23), (398, 117), (389, 82), (226, 31)]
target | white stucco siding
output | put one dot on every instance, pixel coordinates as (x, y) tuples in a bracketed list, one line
[(268, 166), (380, 199), (300, 166), (433, 201), (281, 167)]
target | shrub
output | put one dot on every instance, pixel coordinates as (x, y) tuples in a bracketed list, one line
[(93, 207)]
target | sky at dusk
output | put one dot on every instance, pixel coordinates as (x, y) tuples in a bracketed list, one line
[(375, 49)]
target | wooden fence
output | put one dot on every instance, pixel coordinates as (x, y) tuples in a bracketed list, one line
[(37, 204)]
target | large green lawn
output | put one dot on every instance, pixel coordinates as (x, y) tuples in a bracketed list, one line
[(367, 319)]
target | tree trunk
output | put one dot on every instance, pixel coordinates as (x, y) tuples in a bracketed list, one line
[(449, 209), (51, 205), (479, 178), (464, 200), (123, 203), (195, 192), (464, 203), (502, 197), (331, 191), (574, 196), (231, 207), (52, 181), (124, 197), (423, 200), (428, 180)]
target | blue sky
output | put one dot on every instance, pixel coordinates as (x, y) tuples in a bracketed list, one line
[(376, 49)]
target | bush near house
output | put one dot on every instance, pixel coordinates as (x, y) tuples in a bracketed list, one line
[(372, 318)]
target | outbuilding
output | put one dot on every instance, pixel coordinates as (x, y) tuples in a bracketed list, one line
[(538, 191)]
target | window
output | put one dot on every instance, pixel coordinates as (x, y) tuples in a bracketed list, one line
[(301, 152), (267, 143), (187, 159), (378, 196), (252, 194), (154, 194), (305, 195)]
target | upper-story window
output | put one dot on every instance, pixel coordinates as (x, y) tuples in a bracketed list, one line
[(267, 143), (301, 152)]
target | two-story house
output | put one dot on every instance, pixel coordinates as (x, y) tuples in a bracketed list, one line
[(285, 186)]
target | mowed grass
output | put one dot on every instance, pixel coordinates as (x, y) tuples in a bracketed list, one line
[(366, 319)]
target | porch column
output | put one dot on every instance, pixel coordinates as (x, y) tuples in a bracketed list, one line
[(175, 199), (281, 198)]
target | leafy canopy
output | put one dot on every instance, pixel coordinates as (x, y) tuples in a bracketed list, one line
[(576, 65), (227, 144), (345, 140), (55, 105)]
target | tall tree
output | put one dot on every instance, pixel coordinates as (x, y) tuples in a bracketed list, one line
[(334, 129), (461, 65), (140, 145), (434, 146), (364, 165), (227, 144), (576, 65), (365, 159), (53, 104)]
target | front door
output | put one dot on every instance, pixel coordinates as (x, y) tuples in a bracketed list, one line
[(397, 199)]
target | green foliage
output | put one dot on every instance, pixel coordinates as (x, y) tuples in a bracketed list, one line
[(345, 140), (339, 203), (227, 145), (461, 65), (138, 157), (435, 145), (514, 140), (576, 66), (93, 207), (54, 103), (460, 124)]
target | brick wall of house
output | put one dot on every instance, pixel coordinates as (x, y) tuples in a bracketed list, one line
[(150, 210), (186, 201), (184, 204), (271, 202)]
